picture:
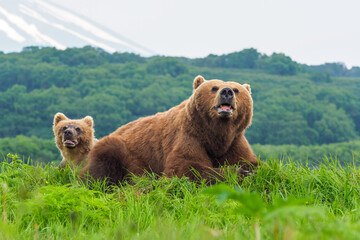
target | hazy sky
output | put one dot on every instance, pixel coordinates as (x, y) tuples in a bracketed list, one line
[(309, 31)]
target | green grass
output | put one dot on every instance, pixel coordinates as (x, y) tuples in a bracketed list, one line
[(313, 154), (282, 200)]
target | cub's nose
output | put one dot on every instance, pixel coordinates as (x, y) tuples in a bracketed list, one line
[(68, 133), (227, 94)]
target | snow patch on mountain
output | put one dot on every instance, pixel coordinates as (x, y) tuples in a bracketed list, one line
[(40, 23), (30, 29), (10, 32), (90, 41)]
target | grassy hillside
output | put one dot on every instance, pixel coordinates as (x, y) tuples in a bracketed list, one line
[(280, 201)]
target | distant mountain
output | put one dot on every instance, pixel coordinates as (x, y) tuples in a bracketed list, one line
[(41, 23)]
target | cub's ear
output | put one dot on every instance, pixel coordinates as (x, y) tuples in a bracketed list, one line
[(247, 86), (59, 117), (198, 81), (89, 121)]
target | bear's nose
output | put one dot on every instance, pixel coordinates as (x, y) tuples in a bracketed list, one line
[(227, 93), (68, 133)]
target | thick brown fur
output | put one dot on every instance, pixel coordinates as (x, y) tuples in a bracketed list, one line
[(192, 139), (75, 145)]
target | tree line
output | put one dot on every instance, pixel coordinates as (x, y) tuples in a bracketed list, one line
[(293, 103)]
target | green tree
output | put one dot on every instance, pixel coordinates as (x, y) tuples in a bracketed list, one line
[(166, 65), (278, 63)]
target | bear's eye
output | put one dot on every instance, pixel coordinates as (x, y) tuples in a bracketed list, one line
[(236, 90), (64, 128), (214, 89), (78, 129)]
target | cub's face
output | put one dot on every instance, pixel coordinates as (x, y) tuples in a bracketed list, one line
[(228, 101), (72, 133)]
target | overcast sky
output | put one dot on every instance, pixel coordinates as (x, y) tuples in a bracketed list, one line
[(309, 31)]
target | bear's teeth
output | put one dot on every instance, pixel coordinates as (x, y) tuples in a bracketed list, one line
[(68, 142), (225, 108)]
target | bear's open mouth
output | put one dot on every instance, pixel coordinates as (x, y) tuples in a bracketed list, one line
[(225, 108), (70, 143)]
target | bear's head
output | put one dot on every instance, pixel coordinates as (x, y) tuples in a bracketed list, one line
[(70, 133), (227, 102)]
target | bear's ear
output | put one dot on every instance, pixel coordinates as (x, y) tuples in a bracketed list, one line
[(59, 117), (247, 86), (198, 81), (89, 121)]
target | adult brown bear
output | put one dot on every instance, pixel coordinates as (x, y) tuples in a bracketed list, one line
[(192, 139)]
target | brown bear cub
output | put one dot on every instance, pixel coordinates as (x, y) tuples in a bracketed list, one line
[(74, 139), (193, 139)]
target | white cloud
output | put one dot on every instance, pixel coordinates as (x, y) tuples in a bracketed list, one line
[(31, 29), (10, 32)]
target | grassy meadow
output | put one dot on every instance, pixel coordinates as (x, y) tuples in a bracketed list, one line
[(282, 200), (304, 115)]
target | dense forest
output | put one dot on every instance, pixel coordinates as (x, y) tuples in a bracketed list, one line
[(294, 104)]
